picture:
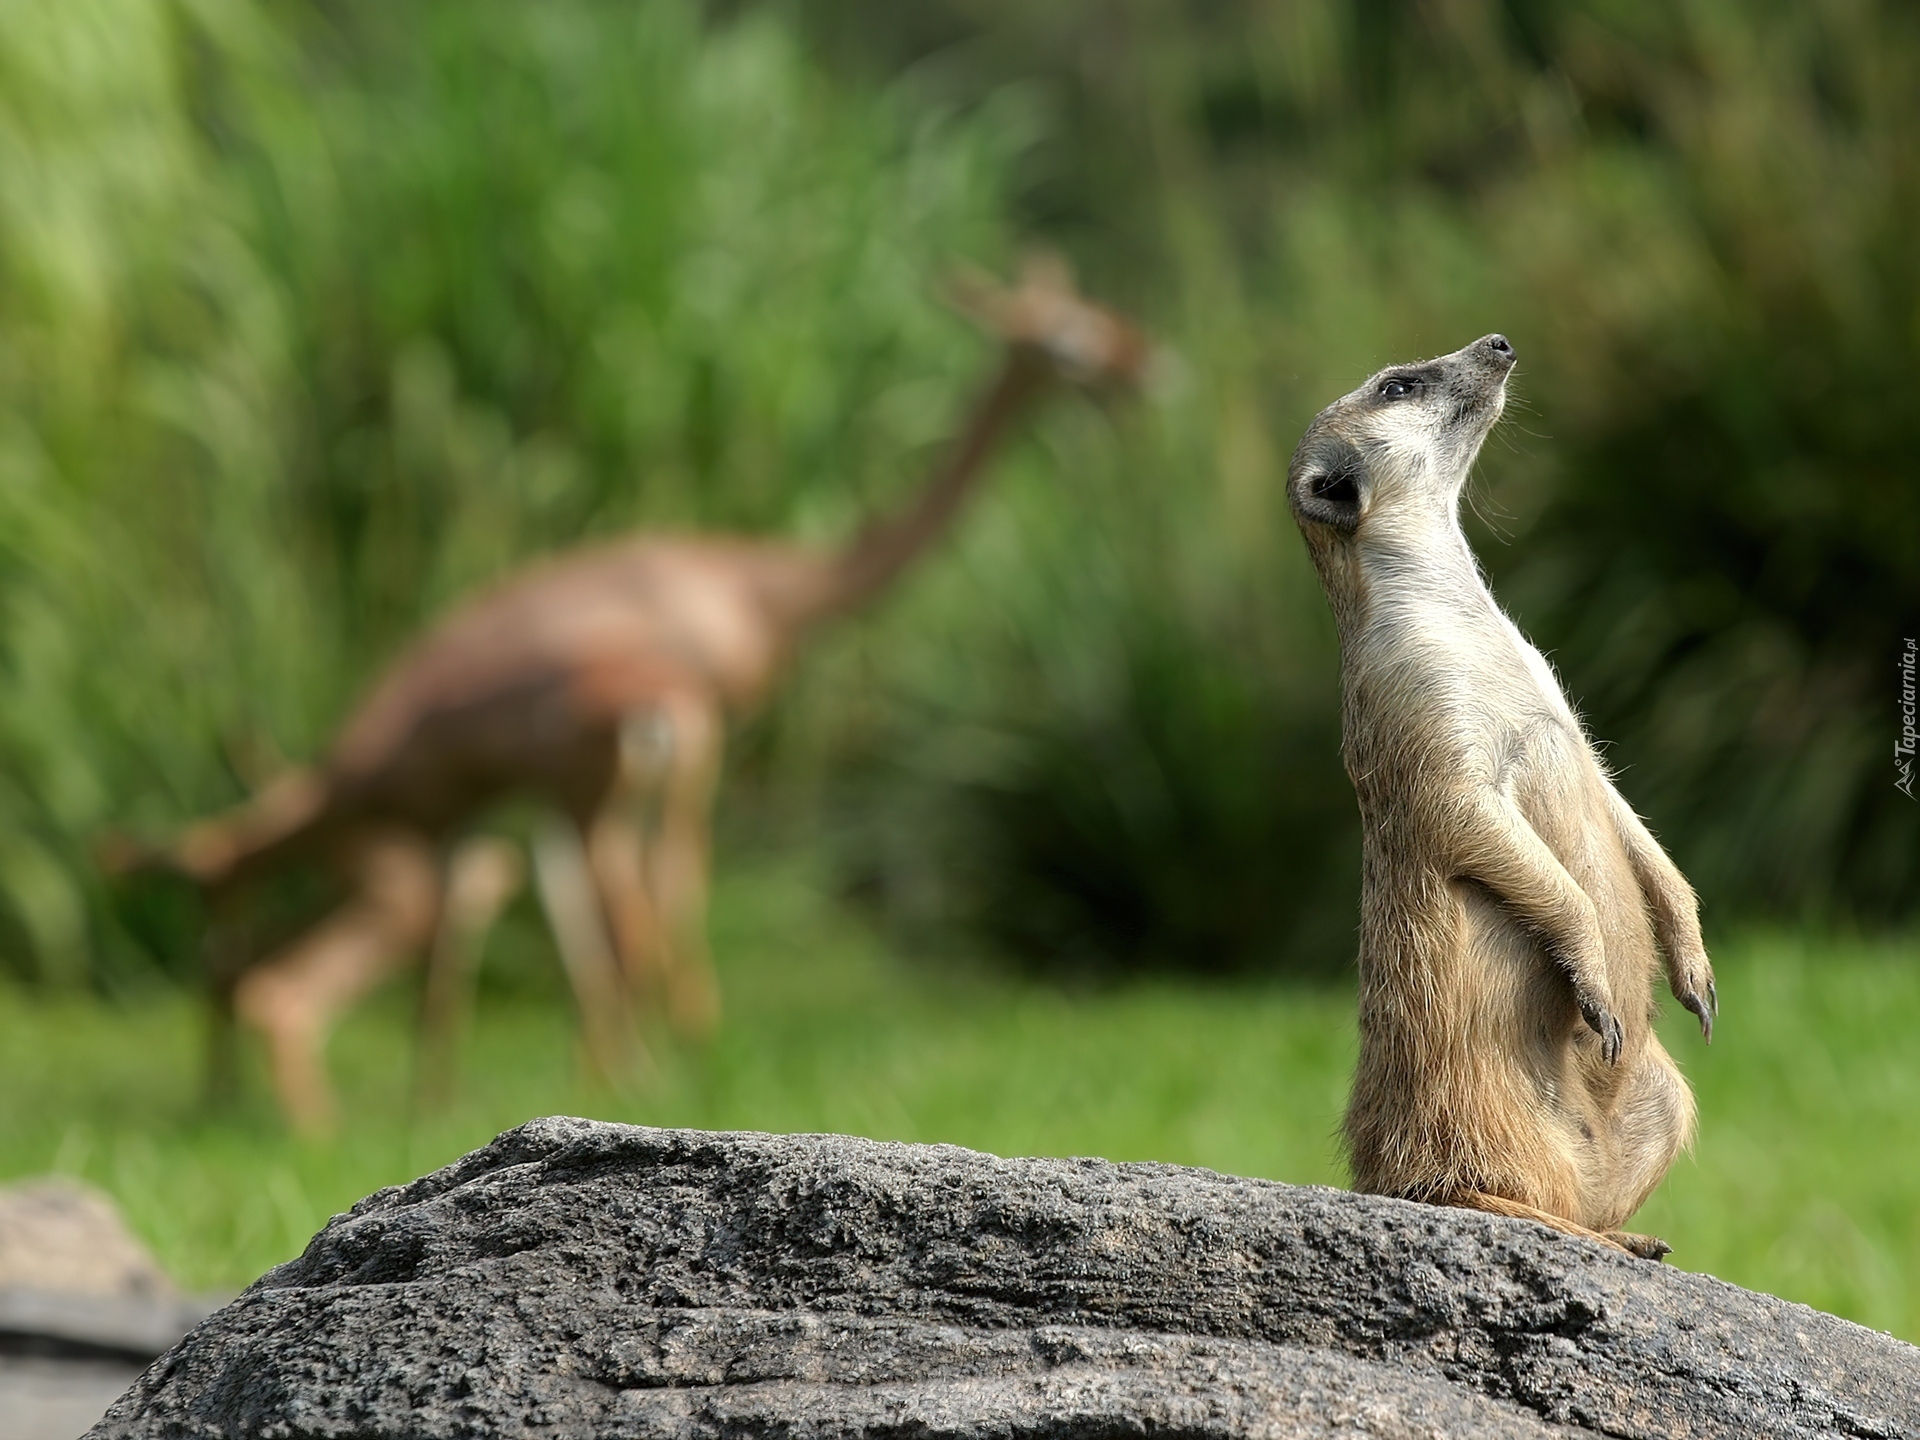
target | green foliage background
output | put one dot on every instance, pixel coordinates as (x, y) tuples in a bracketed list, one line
[(314, 313)]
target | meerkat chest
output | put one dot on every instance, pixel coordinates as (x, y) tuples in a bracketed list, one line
[(1439, 700), (1431, 680)]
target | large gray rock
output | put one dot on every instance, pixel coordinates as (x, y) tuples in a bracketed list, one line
[(581, 1279)]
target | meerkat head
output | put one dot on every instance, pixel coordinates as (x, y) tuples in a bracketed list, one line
[(1389, 458)]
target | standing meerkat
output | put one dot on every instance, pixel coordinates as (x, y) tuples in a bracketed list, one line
[(1514, 909)]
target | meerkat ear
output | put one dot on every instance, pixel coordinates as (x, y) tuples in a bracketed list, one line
[(1328, 487)]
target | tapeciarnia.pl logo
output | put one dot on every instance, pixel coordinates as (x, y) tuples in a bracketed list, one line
[(1904, 746)]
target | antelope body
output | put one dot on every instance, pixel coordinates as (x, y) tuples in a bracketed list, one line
[(601, 682)]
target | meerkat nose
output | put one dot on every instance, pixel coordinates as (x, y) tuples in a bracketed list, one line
[(1498, 344)]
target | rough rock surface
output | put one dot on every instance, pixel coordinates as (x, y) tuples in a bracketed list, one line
[(582, 1279)]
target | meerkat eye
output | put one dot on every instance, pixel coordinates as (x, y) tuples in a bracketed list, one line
[(1397, 388)]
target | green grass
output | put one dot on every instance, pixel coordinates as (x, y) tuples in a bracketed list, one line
[(1804, 1182)]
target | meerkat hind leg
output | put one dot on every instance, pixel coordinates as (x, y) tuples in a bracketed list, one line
[(1646, 1247)]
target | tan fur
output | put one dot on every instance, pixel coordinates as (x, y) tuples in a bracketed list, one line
[(1514, 909)]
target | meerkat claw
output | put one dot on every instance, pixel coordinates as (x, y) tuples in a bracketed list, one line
[(1713, 998), (1705, 1010), (1604, 1024)]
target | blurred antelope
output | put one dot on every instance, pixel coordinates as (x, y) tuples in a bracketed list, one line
[(600, 681)]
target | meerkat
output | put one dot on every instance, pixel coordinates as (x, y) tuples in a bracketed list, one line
[(1514, 908)]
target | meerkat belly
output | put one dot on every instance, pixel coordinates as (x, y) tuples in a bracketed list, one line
[(1618, 1121), (1466, 1079), (1541, 1130)]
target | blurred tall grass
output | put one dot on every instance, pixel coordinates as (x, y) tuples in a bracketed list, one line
[(314, 313)]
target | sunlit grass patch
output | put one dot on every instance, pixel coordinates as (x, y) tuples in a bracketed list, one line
[(826, 1030)]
